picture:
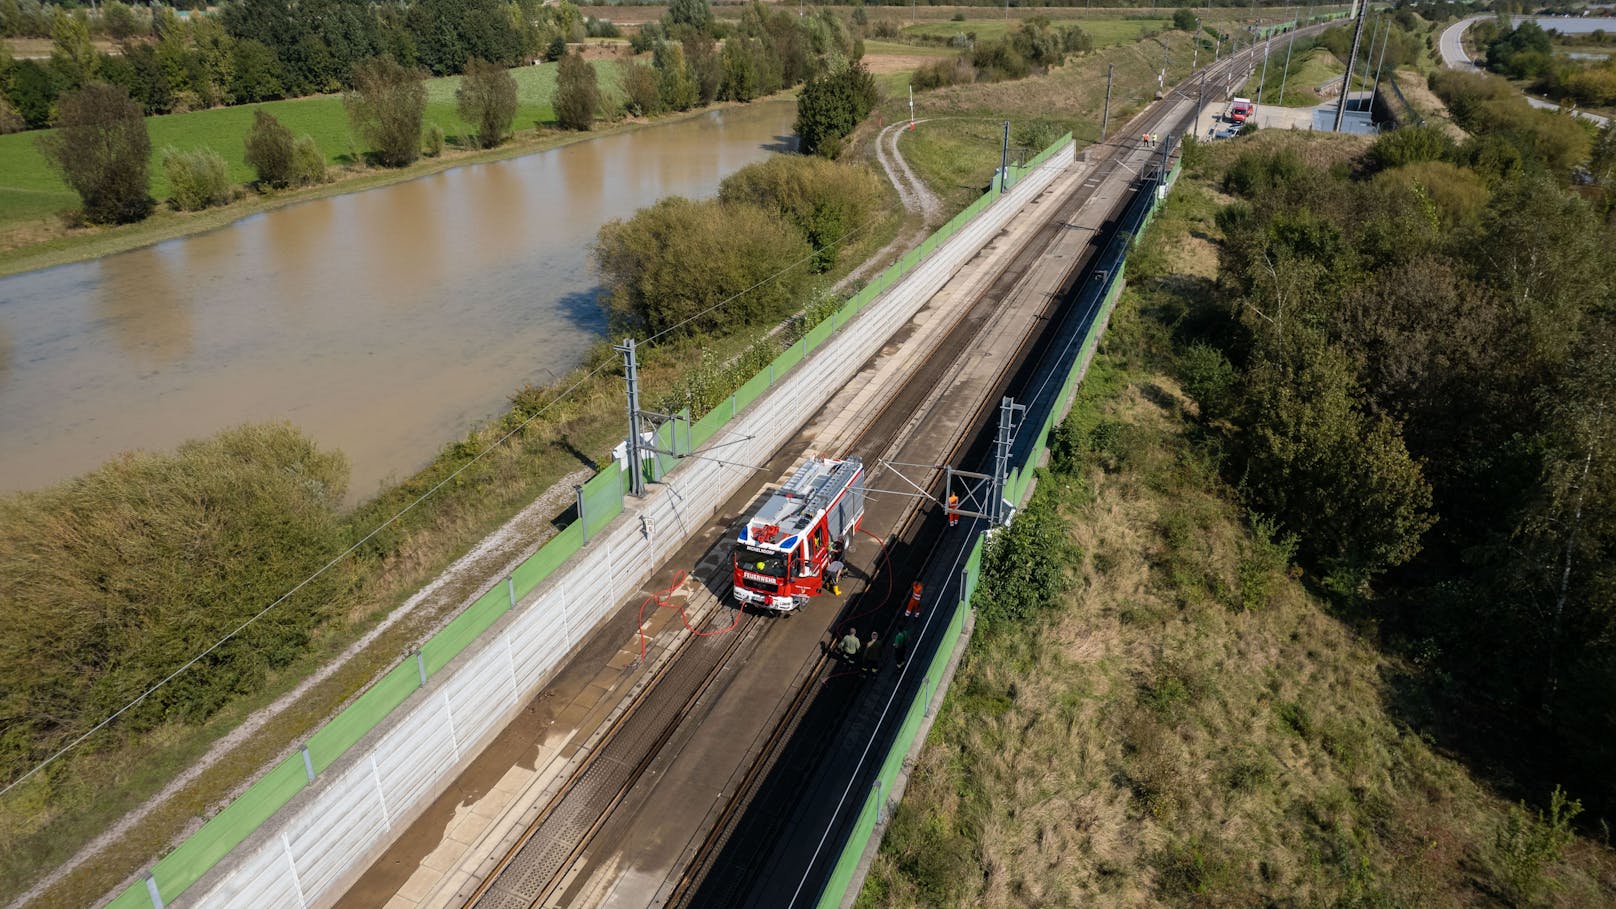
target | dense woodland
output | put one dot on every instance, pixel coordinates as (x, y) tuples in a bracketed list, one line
[(1412, 362)]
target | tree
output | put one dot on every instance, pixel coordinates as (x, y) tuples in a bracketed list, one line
[(678, 87), (1184, 20), (449, 33), (386, 106), (577, 96), (831, 105), (694, 13), (256, 74), (73, 57), (119, 21), (10, 120), (33, 92), (486, 99), (101, 147), (269, 149), (643, 94)]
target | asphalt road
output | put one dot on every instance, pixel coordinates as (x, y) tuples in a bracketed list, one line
[(1454, 57)]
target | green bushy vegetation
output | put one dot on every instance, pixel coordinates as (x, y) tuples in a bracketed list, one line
[(200, 178), (825, 201), (116, 578), (1195, 720)]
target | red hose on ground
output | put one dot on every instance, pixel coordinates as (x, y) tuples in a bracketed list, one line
[(661, 598), (836, 630)]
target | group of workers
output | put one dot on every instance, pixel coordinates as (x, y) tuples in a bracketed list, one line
[(849, 648), (1152, 138)]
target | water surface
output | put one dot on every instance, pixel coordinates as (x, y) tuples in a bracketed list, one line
[(384, 323)]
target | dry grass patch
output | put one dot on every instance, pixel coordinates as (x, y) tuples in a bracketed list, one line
[(1190, 726)]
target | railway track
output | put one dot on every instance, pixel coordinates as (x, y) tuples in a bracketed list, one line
[(544, 860)]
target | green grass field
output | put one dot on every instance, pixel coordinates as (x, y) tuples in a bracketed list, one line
[(1106, 32), (30, 190)]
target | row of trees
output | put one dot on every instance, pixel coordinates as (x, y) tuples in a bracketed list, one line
[(1033, 47), (102, 147), (1413, 362), (261, 50)]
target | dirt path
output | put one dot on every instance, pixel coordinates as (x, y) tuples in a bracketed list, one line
[(916, 197)]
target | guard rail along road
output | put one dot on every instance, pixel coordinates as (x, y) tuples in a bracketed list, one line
[(313, 821)]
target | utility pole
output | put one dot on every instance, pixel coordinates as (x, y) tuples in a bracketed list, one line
[(1200, 106), (1264, 77), (1217, 47), (1285, 76), (1105, 119), (1004, 161), (1001, 459), (1161, 78), (636, 462), (1352, 57), (911, 108), (1195, 55), (1375, 91)]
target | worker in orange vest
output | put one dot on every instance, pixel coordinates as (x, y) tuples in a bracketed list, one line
[(953, 510), (911, 609)]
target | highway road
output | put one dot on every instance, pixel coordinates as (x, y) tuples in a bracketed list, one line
[(1454, 57)]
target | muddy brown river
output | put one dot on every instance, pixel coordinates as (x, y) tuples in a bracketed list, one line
[(384, 323)]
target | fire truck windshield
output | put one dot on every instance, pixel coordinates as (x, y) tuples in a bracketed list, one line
[(760, 562)]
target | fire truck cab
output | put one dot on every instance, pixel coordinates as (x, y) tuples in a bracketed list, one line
[(782, 552)]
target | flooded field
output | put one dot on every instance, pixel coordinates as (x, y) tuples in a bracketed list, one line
[(384, 323)]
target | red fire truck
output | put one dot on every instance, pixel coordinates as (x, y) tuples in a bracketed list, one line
[(782, 552)]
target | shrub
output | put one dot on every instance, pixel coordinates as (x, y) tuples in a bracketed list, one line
[(642, 94), (203, 539), (1017, 580), (601, 28), (10, 120), (270, 149), (432, 142), (676, 84), (486, 99), (1528, 842), (948, 71), (822, 199), (199, 179), (308, 164), (102, 150), (1409, 145), (680, 260), (386, 106)]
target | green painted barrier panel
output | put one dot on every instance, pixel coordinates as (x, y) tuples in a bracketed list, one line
[(182, 867), (538, 566), (333, 739), (707, 427), (603, 499), (751, 391), (464, 628), (135, 897), (819, 334)]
